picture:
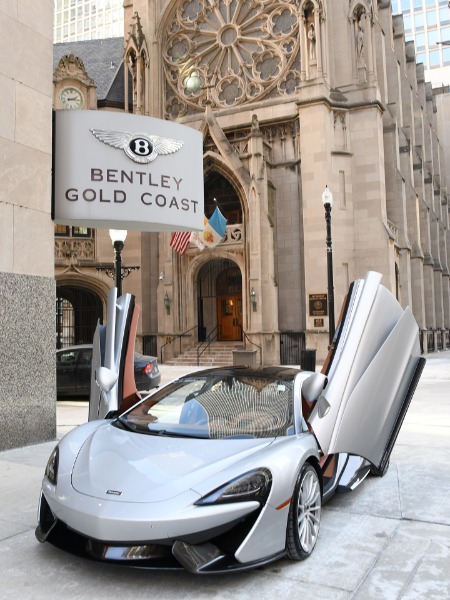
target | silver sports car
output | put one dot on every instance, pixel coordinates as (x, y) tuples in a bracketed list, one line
[(227, 469)]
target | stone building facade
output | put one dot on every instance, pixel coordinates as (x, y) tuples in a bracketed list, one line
[(290, 97), (27, 285)]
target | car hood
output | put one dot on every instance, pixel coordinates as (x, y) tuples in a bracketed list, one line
[(125, 466)]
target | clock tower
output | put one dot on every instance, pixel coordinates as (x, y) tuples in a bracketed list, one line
[(73, 88)]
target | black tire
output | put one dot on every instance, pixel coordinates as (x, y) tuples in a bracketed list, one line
[(304, 514)]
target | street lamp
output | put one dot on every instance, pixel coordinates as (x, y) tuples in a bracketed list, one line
[(327, 199), (117, 273), (118, 237)]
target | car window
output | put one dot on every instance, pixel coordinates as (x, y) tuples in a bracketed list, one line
[(218, 407), (66, 358), (85, 357)]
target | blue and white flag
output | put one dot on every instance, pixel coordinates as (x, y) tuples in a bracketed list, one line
[(215, 229), (213, 233)]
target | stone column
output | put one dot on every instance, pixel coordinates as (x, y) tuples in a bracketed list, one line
[(263, 322)]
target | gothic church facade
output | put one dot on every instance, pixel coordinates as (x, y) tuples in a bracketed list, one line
[(290, 97)]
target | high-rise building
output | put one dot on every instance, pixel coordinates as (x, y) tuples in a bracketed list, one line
[(427, 23), (76, 20)]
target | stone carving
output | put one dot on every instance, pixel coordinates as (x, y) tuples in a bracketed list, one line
[(229, 53), (312, 42), (71, 66), (361, 61), (66, 249)]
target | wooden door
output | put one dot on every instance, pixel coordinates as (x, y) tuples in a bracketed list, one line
[(229, 318)]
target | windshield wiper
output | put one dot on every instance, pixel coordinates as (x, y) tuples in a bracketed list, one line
[(168, 433), (122, 423)]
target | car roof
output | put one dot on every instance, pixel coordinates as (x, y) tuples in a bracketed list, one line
[(138, 355), (73, 348)]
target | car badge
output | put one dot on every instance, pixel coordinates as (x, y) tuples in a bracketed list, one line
[(142, 148), (114, 492)]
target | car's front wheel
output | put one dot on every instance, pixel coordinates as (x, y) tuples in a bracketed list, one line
[(304, 515)]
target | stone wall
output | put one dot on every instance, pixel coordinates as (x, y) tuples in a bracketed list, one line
[(27, 286), (27, 359)]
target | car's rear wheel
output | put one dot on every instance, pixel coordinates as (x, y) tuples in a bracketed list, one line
[(304, 515)]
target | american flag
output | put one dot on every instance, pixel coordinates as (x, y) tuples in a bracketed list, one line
[(180, 241)]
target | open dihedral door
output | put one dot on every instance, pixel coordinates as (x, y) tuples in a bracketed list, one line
[(113, 349), (374, 371)]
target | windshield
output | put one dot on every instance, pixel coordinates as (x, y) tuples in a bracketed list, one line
[(217, 406)]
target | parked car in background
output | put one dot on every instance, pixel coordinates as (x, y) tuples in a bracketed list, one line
[(73, 371)]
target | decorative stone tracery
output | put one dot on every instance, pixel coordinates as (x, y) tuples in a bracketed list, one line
[(229, 52)]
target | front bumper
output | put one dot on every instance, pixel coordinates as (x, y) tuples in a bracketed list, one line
[(208, 551)]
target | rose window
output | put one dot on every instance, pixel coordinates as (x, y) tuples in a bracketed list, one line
[(229, 52)]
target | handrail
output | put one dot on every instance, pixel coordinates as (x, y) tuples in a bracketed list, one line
[(253, 343), (178, 335), (215, 330)]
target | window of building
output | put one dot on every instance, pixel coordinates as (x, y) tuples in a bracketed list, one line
[(446, 56), (435, 59), (445, 34), (405, 5), (431, 18), (433, 38), (444, 16), (419, 22), (81, 232), (66, 231), (420, 41), (407, 24), (62, 230), (418, 4), (421, 57)]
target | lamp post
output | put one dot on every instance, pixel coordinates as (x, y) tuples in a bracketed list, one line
[(327, 199), (118, 237), (117, 273)]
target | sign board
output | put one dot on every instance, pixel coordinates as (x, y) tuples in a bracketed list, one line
[(120, 171), (318, 305)]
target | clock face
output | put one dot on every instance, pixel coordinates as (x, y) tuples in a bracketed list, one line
[(71, 98)]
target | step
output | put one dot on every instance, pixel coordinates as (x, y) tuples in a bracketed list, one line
[(217, 354)]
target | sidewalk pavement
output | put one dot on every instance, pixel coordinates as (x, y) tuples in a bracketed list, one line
[(389, 539)]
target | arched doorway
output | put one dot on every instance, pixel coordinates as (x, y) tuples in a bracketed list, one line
[(219, 298), (77, 313)]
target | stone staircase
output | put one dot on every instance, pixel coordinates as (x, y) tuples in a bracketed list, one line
[(218, 354)]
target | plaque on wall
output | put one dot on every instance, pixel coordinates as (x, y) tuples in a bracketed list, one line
[(318, 305)]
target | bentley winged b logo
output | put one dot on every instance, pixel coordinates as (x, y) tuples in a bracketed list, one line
[(140, 147)]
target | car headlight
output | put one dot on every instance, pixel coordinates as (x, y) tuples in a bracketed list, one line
[(254, 485), (51, 470)]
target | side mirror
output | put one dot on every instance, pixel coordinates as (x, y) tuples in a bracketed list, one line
[(106, 379), (313, 387)]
